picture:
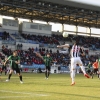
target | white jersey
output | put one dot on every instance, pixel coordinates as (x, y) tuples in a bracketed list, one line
[(75, 51)]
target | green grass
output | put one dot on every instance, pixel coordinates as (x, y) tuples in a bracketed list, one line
[(57, 87)]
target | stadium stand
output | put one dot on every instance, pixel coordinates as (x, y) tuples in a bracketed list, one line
[(40, 39), (6, 38), (44, 37)]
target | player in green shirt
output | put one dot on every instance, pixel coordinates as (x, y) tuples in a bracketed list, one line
[(14, 64), (89, 68), (47, 60)]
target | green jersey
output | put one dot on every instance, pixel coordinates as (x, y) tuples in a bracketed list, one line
[(47, 60), (89, 66), (12, 60)]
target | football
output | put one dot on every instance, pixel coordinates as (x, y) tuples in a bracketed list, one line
[(65, 34)]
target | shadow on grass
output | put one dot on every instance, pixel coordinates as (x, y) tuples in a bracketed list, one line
[(72, 95), (49, 84), (88, 86)]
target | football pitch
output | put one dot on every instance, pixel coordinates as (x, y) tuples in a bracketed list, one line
[(57, 87)]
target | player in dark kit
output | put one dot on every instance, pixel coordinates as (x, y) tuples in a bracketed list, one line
[(47, 60), (89, 70), (14, 64), (95, 68)]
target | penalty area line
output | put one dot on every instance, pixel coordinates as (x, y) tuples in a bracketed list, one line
[(32, 94)]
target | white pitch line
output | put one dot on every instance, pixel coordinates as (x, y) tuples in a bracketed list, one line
[(13, 96), (23, 93)]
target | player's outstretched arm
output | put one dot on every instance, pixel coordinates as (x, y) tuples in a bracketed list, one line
[(39, 55), (82, 51), (7, 60), (54, 61), (61, 46)]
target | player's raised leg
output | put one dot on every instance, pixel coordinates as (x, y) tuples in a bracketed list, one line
[(83, 68)]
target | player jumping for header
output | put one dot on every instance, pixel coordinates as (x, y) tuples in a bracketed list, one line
[(75, 51)]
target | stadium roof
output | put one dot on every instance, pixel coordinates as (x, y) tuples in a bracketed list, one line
[(87, 4), (64, 13)]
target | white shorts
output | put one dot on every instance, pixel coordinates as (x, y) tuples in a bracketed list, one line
[(74, 61)]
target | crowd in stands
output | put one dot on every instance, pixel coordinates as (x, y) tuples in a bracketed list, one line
[(19, 46), (88, 42), (41, 39), (92, 43), (61, 38), (1, 56), (6, 51), (29, 57), (6, 38), (4, 35)]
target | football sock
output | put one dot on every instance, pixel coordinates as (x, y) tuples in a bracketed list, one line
[(83, 69), (46, 74), (73, 75), (20, 77), (9, 76)]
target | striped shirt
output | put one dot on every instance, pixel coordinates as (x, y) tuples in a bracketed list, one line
[(75, 51)]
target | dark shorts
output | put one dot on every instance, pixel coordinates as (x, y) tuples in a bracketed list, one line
[(95, 71), (88, 71), (48, 68), (4, 68), (16, 69)]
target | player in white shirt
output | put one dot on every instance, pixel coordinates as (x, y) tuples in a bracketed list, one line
[(75, 52)]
